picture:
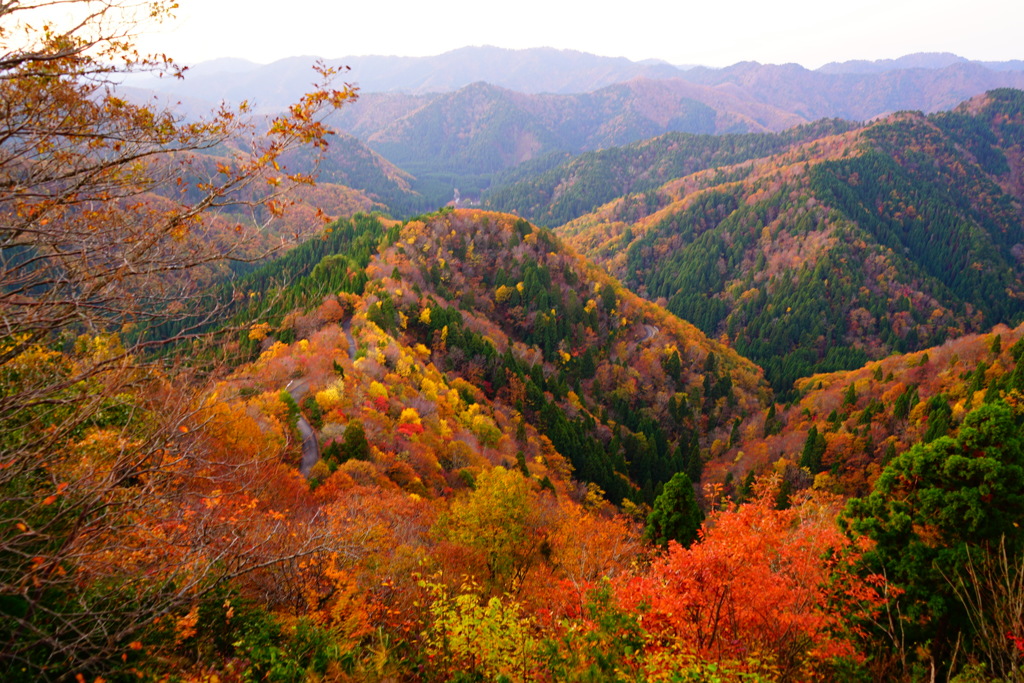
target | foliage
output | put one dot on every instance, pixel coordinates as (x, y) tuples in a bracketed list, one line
[(675, 516), (106, 227), (832, 251), (751, 591), (471, 636), (499, 520), (935, 506), (582, 183), (485, 398)]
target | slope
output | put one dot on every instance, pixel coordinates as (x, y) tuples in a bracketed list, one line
[(892, 237), (844, 427), (540, 341), (580, 184), (857, 96)]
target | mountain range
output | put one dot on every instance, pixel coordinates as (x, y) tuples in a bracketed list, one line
[(888, 237), (532, 71), (455, 119), (751, 201)]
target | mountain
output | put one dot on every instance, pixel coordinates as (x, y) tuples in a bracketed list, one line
[(544, 344), (455, 120), (857, 96), (463, 137), (921, 60), (483, 128), (536, 70), (857, 90), (844, 427), (350, 163), (556, 195), (888, 238)]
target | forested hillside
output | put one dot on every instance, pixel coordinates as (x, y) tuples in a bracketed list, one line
[(575, 187), (890, 238), (843, 428), (860, 95), (350, 163), (627, 393), (252, 428), (460, 139), (456, 119)]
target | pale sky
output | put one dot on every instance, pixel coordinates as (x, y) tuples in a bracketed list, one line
[(712, 33)]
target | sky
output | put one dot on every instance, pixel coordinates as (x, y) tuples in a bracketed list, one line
[(682, 32)]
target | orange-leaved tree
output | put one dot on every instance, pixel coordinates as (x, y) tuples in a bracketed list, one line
[(752, 594), (109, 210)]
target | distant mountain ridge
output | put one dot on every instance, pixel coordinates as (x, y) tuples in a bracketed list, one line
[(484, 128), (537, 70), (457, 119), (532, 71), (858, 96), (919, 60)]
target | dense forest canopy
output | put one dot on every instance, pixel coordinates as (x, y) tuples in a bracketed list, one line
[(752, 409)]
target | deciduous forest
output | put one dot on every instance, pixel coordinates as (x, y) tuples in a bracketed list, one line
[(708, 406)]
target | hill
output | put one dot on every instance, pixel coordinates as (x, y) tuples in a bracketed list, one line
[(889, 238), (921, 60), (455, 120), (350, 163), (535, 70), (580, 184), (461, 139), (844, 427), (857, 96), (546, 344)]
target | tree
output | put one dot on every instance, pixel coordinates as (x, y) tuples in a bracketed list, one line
[(112, 217), (355, 446), (934, 507), (814, 450), (676, 515), (501, 522), (751, 593)]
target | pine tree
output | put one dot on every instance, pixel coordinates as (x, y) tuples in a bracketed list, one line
[(676, 515)]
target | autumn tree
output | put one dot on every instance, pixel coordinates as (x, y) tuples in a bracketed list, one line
[(110, 212), (501, 522), (750, 596), (941, 506)]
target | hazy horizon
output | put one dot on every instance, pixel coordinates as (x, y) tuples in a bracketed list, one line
[(892, 58), (790, 31)]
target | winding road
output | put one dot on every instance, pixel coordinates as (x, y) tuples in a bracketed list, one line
[(298, 389), (310, 446), (346, 327)]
